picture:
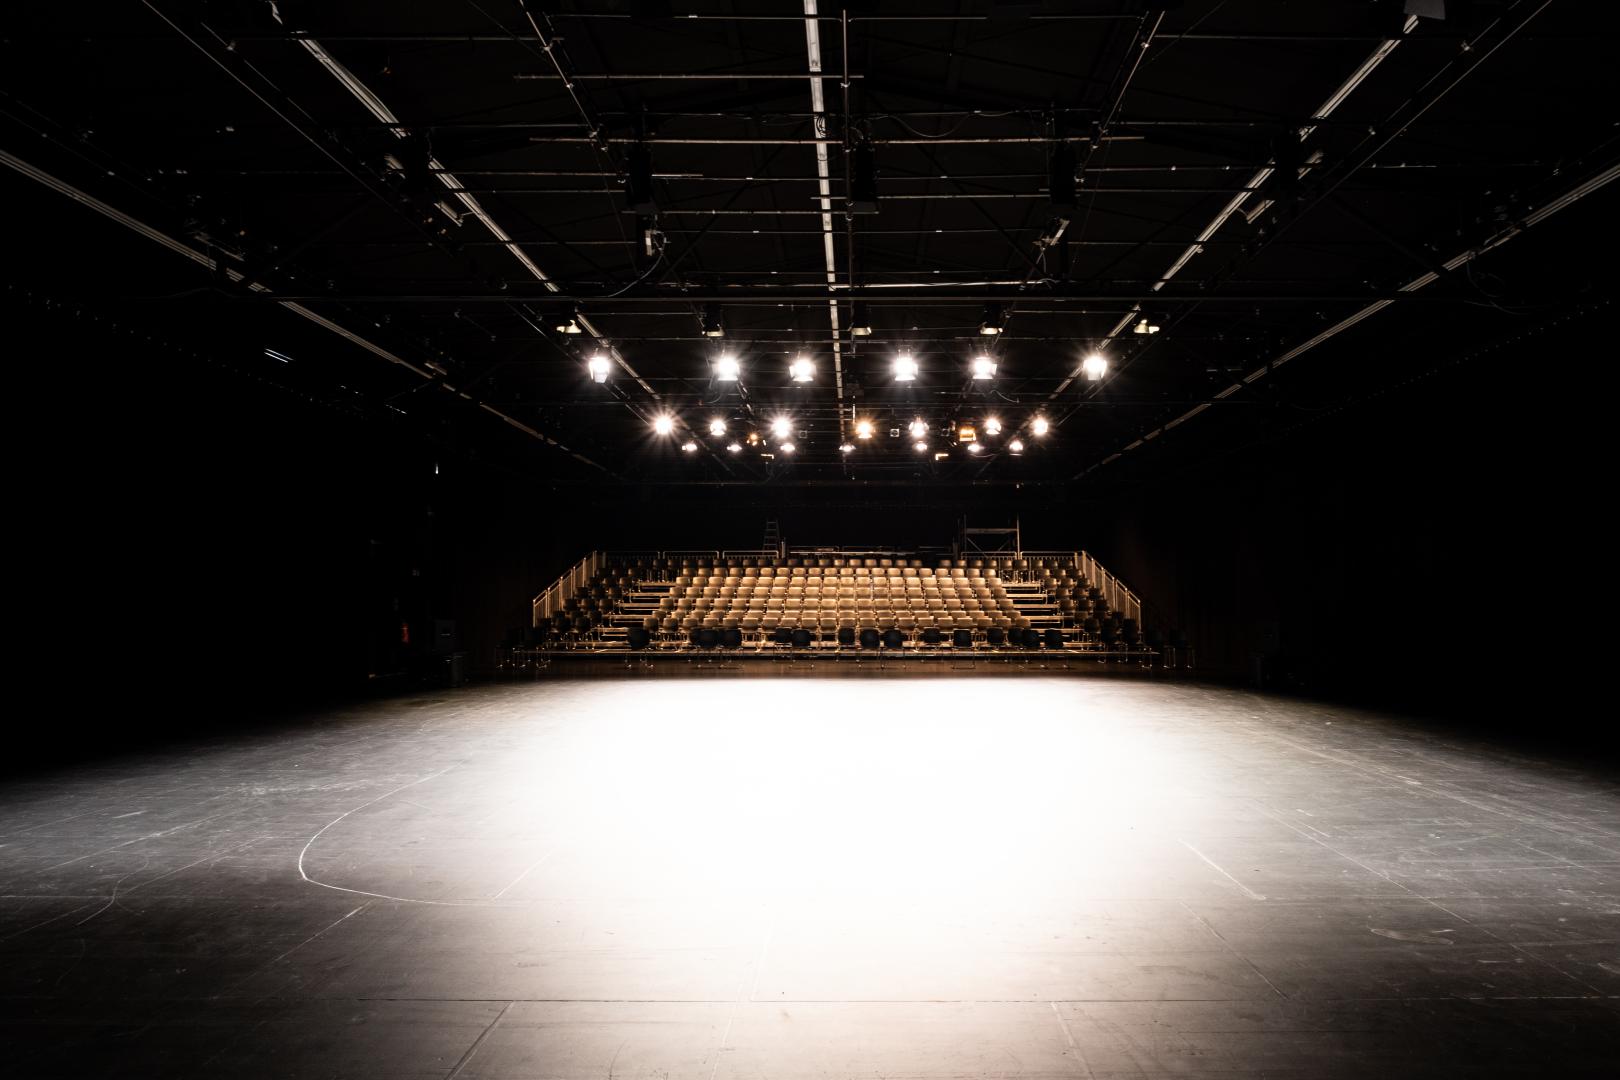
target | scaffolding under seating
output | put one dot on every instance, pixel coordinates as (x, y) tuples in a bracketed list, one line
[(762, 602)]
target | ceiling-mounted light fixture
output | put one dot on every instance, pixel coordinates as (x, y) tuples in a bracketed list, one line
[(863, 429), (975, 448), (1094, 366), (992, 426), (1145, 326), (735, 448), (802, 369), (847, 448), (726, 369), (600, 367), (920, 446), (994, 321), (1040, 426), (983, 368), (663, 424), (966, 434), (1016, 446), (918, 428), (689, 446), (781, 427), (787, 447), (712, 324), (717, 427), (568, 322), (905, 368), (860, 323)]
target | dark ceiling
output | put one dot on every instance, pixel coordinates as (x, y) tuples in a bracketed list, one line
[(447, 182)]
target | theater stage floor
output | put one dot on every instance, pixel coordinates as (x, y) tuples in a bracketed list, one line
[(802, 877)]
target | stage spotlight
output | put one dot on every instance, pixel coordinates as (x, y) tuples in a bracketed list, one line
[(712, 324), (994, 321), (802, 370), (787, 447), (568, 323), (600, 366), (975, 448), (983, 368), (717, 427), (1146, 327), (1040, 426), (1016, 446), (863, 429), (1095, 366), (689, 446), (664, 424), (919, 446), (918, 428), (726, 369), (966, 434), (992, 426), (860, 324), (735, 448), (781, 427), (905, 368), (847, 448)]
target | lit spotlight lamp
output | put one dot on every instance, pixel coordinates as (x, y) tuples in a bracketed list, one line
[(726, 369), (905, 368), (919, 446), (600, 366), (717, 427), (919, 428), (1147, 326), (983, 368), (802, 370), (786, 448), (992, 426), (975, 448), (664, 424), (1094, 366), (689, 446), (863, 429), (1040, 426), (994, 321), (847, 448), (1016, 446)]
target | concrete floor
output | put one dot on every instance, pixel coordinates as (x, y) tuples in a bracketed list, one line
[(719, 878)]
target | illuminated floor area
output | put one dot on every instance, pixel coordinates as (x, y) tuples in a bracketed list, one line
[(744, 878)]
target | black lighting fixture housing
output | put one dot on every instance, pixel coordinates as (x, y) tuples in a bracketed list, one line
[(713, 323)]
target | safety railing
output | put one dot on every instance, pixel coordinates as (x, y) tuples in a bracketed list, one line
[(559, 592)]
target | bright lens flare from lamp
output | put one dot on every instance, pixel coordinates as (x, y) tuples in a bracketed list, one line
[(689, 446), (787, 447), (734, 448), (992, 426), (983, 368), (1095, 366), (863, 429), (1016, 446), (919, 446), (905, 368), (847, 448), (717, 427), (781, 427), (918, 428), (1040, 426), (726, 369), (802, 370), (599, 366), (663, 425)]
